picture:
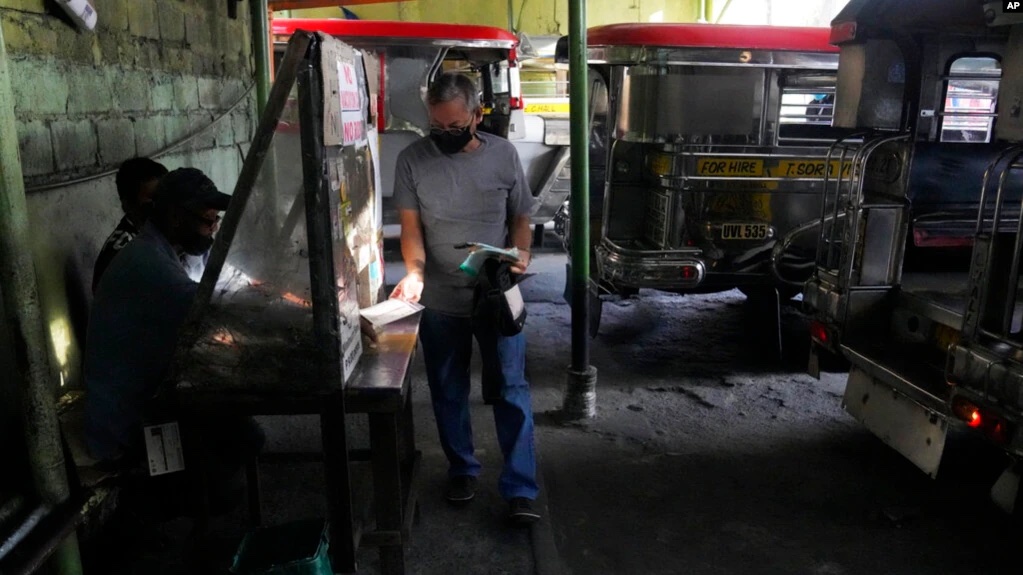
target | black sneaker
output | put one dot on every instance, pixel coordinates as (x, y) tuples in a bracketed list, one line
[(461, 489), (520, 511)]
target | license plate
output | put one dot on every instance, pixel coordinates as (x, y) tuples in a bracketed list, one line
[(744, 231)]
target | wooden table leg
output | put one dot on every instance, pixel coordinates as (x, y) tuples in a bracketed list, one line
[(387, 492), (339, 487), (408, 430)]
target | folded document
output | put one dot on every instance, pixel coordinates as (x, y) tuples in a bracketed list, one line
[(388, 311)]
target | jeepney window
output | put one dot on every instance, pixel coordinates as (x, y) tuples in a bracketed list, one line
[(971, 96), (807, 99), (690, 104), (806, 107)]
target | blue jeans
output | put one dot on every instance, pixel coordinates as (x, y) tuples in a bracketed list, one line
[(447, 349)]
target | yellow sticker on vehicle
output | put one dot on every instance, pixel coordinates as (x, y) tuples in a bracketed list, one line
[(800, 168), (754, 168), (546, 108), (730, 167), (945, 337), (660, 164)]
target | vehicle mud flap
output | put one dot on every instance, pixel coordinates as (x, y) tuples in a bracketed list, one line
[(1005, 491), (765, 305), (813, 363), (905, 425)]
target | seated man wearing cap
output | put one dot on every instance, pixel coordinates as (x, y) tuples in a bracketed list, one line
[(140, 305)]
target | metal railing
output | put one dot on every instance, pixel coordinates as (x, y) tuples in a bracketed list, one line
[(991, 276), (833, 255)]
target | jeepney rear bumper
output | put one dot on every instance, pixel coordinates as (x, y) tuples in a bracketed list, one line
[(664, 270)]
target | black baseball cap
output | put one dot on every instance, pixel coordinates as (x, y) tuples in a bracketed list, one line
[(189, 188)]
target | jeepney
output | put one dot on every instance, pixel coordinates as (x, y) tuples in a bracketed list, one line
[(707, 156), (917, 272), (403, 58)]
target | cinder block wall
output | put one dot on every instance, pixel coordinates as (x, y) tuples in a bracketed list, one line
[(152, 73)]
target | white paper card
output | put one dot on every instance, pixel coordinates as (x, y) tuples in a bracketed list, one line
[(163, 446), (389, 310), (515, 303)]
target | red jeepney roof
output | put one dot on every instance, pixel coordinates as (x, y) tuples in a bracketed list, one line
[(785, 38), (470, 34)]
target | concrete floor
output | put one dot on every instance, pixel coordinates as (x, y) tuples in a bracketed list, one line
[(707, 457)]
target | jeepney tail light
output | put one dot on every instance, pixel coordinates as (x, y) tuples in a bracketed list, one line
[(690, 272), (994, 427), (818, 331), (844, 32)]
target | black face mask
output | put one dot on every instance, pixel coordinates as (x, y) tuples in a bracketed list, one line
[(450, 143), (197, 244)]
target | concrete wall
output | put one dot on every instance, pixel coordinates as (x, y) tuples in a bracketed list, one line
[(152, 73), (535, 17)]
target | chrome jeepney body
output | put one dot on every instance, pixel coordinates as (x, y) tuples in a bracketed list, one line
[(709, 145), (917, 280)]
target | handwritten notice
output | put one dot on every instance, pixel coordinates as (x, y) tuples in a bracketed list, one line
[(344, 101), (353, 124)]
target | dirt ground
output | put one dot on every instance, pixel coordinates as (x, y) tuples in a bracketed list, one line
[(708, 456)]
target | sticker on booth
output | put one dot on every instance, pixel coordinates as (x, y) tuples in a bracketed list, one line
[(353, 125)]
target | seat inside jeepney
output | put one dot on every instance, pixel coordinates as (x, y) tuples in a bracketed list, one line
[(945, 188)]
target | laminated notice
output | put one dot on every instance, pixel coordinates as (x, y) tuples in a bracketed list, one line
[(163, 447)]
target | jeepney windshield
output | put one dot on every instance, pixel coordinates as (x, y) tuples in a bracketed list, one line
[(690, 104)]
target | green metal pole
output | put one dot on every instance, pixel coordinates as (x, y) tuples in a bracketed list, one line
[(24, 318), (580, 396), (261, 52)]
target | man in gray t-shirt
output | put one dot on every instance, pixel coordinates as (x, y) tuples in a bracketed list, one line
[(456, 186)]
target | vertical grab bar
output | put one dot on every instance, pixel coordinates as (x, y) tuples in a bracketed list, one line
[(1013, 279)]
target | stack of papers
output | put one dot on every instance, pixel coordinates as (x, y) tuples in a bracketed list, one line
[(388, 311)]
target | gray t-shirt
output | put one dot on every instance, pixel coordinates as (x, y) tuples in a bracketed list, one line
[(463, 197)]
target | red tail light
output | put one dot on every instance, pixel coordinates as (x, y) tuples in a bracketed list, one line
[(818, 331), (689, 272), (844, 32), (994, 427)]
